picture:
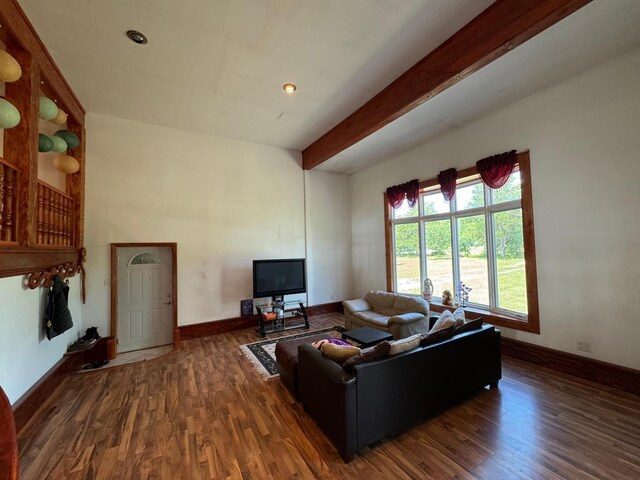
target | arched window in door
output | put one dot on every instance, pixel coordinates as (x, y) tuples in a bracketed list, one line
[(145, 258)]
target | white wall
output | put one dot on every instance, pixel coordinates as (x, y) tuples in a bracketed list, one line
[(584, 142), (25, 353), (328, 225), (225, 202)]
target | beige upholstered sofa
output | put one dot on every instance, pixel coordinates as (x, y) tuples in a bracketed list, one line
[(400, 315)]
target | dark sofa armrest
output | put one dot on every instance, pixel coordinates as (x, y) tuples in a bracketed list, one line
[(328, 394)]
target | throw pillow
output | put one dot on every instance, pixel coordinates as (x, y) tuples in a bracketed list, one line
[(458, 316), (405, 344), (470, 325), (438, 336), (380, 350), (339, 353), (445, 321)]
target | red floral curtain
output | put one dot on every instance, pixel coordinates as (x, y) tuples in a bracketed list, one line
[(495, 170), (447, 180), (397, 194)]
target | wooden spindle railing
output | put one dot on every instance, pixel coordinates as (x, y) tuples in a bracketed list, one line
[(8, 180), (55, 224)]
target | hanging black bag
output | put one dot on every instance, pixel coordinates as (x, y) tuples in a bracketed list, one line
[(57, 317)]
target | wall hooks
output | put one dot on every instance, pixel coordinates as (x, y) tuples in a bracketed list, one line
[(66, 270)]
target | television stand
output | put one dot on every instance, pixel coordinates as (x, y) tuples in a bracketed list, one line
[(281, 316)]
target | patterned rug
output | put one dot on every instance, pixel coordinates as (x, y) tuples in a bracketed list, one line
[(262, 354)]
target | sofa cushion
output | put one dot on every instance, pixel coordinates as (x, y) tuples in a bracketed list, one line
[(458, 315), (370, 354), (405, 344), (380, 300), (373, 317), (409, 317), (405, 304), (470, 325), (438, 335), (339, 353), (445, 321), (356, 305)]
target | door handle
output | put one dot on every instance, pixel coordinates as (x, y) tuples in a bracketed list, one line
[(167, 303)]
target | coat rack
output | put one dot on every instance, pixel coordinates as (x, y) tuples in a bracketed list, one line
[(66, 270)]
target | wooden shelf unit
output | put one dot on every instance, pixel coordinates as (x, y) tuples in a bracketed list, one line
[(41, 227)]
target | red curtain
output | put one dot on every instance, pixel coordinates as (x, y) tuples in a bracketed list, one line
[(397, 194), (447, 180), (413, 190), (495, 170)]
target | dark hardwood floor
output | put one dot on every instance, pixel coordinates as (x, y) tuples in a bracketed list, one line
[(203, 412)]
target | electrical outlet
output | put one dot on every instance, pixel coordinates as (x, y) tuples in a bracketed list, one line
[(584, 346)]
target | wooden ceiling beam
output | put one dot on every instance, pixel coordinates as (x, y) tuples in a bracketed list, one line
[(497, 30)]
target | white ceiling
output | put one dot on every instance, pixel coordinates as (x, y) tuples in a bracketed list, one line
[(217, 66), (598, 32)]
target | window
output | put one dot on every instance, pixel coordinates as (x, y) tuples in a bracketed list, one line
[(478, 238), (145, 258)]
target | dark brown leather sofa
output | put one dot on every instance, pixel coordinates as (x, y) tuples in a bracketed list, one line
[(389, 395)]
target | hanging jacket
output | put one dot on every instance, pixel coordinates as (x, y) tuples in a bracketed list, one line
[(57, 315)]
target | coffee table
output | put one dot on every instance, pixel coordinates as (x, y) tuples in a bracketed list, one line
[(367, 336)]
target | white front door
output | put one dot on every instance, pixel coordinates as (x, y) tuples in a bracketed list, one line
[(144, 301)]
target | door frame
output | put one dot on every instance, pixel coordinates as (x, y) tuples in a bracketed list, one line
[(174, 284)]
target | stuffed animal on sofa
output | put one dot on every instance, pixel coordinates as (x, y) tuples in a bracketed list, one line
[(447, 297)]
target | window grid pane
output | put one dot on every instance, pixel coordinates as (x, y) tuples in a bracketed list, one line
[(404, 211), (434, 203), (510, 263), (469, 196), (438, 255), (509, 191), (472, 253), (407, 258)]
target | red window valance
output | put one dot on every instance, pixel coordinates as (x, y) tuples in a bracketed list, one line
[(495, 170), (397, 194), (447, 180)]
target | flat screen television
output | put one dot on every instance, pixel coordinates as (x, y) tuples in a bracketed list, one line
[(276, 278)]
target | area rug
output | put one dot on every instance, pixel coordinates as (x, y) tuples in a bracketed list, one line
[(262, 354)]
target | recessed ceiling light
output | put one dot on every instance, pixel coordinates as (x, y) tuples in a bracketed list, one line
[(289, 88), (137, 37)]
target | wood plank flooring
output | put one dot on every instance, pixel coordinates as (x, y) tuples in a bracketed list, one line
[(203, 412)]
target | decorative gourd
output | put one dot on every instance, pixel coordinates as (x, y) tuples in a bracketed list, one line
[(71, 138), (61, 118), (48, 109), (9, 115), (10, 69), (45, 144), (59, 145), (66, 164)]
